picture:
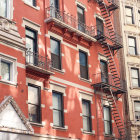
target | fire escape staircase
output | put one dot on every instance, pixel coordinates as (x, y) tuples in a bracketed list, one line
[(108, 52)]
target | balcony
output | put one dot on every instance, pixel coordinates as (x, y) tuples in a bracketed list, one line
[(106, 81), (102, 35), (67, 21), (37, 64)]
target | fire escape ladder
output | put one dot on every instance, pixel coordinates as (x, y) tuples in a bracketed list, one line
[(116, 115), (106, 15)]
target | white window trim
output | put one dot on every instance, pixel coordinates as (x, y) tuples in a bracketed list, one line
[(13, 69), (137, 66), (136, 36), (31, 24), (81, 5), (35, 7)]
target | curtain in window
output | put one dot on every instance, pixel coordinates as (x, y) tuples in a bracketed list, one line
[(132, 45), (5, 71), (3, 8), (135, 77)]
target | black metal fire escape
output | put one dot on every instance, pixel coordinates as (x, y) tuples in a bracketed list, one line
[(108, 49)]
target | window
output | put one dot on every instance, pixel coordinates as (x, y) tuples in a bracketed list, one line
[(54, 3), (100, 26), (34, 107), (107, 121), (83, 65), (31, 2), (58, 117), (81, 18), (87, 124), (137, 110), (135, 77), (7, 70), (5, 8), (132, 45), (139, 17), (31, 45), (129, 15), (104, 71), (55, 54)]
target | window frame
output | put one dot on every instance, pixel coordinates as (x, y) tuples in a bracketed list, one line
[(89, 117), (39, 100), (100, 32), (62, 109), (135, 110), (132, 15), (110, 121), (132, 68), (35, 40), (60, 58), (135, 47), (87, 70), (9, 6), (13, 69)]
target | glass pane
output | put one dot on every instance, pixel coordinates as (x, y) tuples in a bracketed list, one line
[(55, 48), (33, 95), (86, 124), (129, 20), (83, 58), (57, 118), (33, 113), (57, 101), (135, 82), (128, 11), (131, 41), (29, 44), (106, 113), (132, 50), (3, 8), (107, 127), (29, 32), (5, 71), (137, 116), (85, 107), (134, 73), (137, 106)]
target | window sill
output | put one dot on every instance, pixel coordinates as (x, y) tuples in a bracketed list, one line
[(129, 24), (107, 135), (85, 80), (88, 133), (135, 88), (130, 55), (36, 124), (36, 8), (62, 71), (8, 82), (59, 128)]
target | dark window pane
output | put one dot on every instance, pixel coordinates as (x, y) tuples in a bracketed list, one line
[(83, 65), (107, 120), (86, 116), (57, 109), (104, 71), (100, 26), (55, 54), (81, 19), (34, 113), (5, 70)]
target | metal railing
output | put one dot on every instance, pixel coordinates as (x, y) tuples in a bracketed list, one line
[(52, 12), (37, 60), (103, 78), (102, 30)]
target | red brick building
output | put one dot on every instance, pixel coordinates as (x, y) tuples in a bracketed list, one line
[(59, 76)]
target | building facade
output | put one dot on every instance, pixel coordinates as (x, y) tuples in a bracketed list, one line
[(130, 26), (60, 75)]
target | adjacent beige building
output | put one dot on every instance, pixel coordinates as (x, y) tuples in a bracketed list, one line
[(130, 63)]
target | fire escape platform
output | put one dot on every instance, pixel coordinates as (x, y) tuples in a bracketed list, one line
[(37, 70), (63, 25), (115, 44), (106, 86), (112, 7)]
